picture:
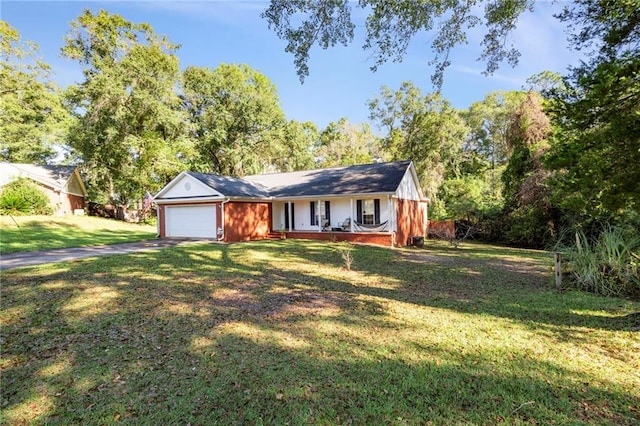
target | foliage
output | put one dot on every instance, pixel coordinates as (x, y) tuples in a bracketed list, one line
[(424, 128), (32, 117), (46, 232), (346, 144), (23, 197), (345, 249), (469, 197), (236, 117), (595, 152), (295, 152), (530, 217), (392, 24), (608, 264), (277, 332), (130, 134), (489, 121)]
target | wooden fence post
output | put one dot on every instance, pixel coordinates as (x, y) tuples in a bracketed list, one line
[(558, 269)]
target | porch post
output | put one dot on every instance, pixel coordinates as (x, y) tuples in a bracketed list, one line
[(289, 206), (352, 216), (319, 216), (389, 213)]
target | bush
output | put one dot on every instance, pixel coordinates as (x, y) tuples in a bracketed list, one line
[(609, 264), (23, 197)]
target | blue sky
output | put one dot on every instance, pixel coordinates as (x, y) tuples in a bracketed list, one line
[(340, 83)]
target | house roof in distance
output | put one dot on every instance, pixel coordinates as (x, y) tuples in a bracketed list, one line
[(52, 176), (360, 179)]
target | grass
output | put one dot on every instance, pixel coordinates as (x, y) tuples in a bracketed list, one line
[(280, 332), (29, 233)]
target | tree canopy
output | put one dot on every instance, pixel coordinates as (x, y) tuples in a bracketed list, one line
[(32, 118), (129, 135), (236, 118), (392, 24)]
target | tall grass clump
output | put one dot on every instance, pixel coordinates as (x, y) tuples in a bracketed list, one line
[(608, 264)]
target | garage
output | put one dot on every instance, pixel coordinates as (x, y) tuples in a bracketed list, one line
[(190, 221)]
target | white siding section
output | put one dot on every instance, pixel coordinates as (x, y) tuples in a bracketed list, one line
[(407, 189), (278, 216), (188, 186), (340, 211)]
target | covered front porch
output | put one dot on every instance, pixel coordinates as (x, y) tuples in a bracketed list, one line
[(337, 215)]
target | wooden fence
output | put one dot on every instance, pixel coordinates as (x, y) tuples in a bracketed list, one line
[(442, 229)]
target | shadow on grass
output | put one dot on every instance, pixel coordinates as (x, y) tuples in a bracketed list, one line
[(217, 334)]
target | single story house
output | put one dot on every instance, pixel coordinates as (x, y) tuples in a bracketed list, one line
[(62, 184), (378, 203)]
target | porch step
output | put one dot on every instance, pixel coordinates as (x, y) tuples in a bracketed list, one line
[(273, 236)]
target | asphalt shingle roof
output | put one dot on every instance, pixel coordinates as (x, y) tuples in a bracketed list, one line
[(361, 179), (232, 187)]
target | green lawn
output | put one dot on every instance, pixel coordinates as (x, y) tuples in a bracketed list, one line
[(279, 333), (29, 233)]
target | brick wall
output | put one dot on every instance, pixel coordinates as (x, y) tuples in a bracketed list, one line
[(411, 221), (381, 239), (245, 221)]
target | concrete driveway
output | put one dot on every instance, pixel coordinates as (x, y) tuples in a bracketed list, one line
[(30, 258)]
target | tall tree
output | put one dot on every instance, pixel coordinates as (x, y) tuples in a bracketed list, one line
[(530, 216), (596, 153), (489, 121), (344, 144), (32, 118), (424, 128), (236, 117), (391, 24), (130, 134)]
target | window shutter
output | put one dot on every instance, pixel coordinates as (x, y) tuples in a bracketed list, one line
[(359, 211), (327, 211), (376, 211), (293, 216), (312, 205)]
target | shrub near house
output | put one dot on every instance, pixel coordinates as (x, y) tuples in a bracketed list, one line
[(23, 197)]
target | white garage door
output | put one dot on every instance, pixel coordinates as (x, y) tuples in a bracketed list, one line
[(191, 221)]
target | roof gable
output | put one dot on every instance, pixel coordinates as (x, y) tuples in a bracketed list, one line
[(187, 186)]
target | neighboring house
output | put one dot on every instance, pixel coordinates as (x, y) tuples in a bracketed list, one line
[(376, 203), (62, 184)]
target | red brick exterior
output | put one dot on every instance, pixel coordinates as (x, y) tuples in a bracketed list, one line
[(245, 221), (411, 221), (378, 238), (62, 203)]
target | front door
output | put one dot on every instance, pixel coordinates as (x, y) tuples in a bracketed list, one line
[(286, 216)]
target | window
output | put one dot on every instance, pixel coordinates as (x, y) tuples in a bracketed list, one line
[(368, 212), (321, 217)]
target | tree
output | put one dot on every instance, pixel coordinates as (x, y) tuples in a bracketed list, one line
[(236, 117), (295, 152), (344, 144), (489, 122), (391, 24), (32, 118), (130, 134), (424, 128), (596, 152), (530, 216)]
